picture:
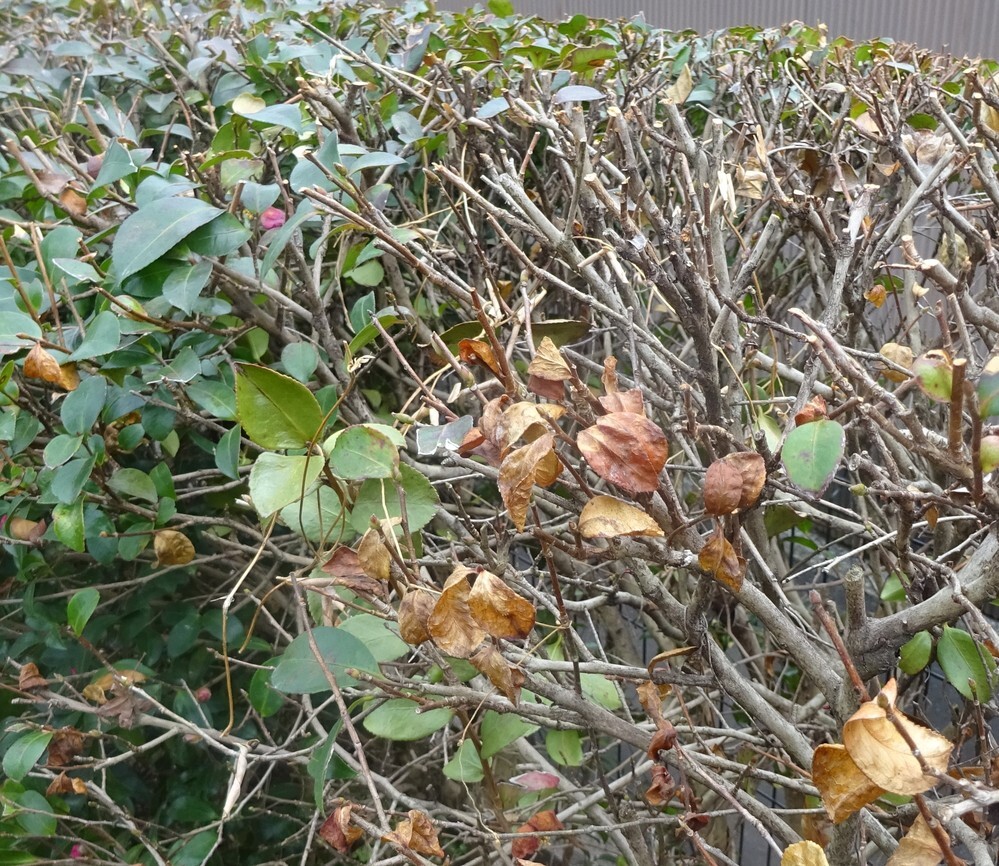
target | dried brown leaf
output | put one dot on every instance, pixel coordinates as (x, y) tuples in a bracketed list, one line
[(478, 353), (451, 624), (662, 789), (663, 739), (722, 488), (417, 833), (843, 787), (414, 614), (547, 371), (490, 661), (26, 530), (524, 420), (63, 784), (30, 678), (918, 847), (882, 753), (803, 854), (65, 745), (42, 364), (814, 410), (719, 557), (607, 517), (373, 556), (529, 843), (753, 470), (625, 449), (338, 832), (499, 610), (172, 547), (631, 402), (73, 201), (517, 475)]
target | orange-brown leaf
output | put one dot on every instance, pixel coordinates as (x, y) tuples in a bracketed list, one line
[(918, 847), (625, 449), (804, 854), (338, 832), (373, 556), (662, 789), (814, 410), (722, 488), (414, 615), (26, 530), (528, 844), (417, 833), (499, 610), (719, 557), (517, 475), (752, 469), (63, 784), (843, 787), (65, 745), (547, 371), (479, 353), (73, 201), (451, 624), (172, 547), (41, 364), (663, 739), (490, 661), (30, 678)]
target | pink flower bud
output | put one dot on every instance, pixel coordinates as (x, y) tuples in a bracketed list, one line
[(272, 218), (78, 851), (204, 694)]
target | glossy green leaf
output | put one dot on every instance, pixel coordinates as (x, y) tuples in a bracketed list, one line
[(227, 452), (133, 484), (300, 672), (812, 453), (215, 397), (82, 407), (61, 448), (361, 312), (223, 235), (24, 753), (277, 480), (37, 817), (184, 285), (68, 480), (421, 501), (266, 700), (401, 719), (361, 452), (102, 337), (68, 525), (318, 517), (499, 730), (465, 766), (377, 635), (153, 231), (300, 360), (565, 747), (968, 666), (915, 653), (81, 607), (275, 410)]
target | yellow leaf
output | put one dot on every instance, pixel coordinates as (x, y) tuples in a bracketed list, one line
[(803, 854), (607, 517)]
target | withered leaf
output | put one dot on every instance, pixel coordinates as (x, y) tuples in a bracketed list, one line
[(73, 201), (803, 854), (722, 488), (814, 410), (30, 678), (479, 353), (518, 473), (547, 371), (42, 364), (499, 610), (172, 547), (529, 843), (451, 624), (65, 745), (343, 562), (490, 661), (338, 832), (662, 789), (625, 449), (918, 847), (881, 752), (417, 833), (900, 356), (624, 401), (414, 614), (651, 697), (124, 709), (753, 470), (373, 556), (491, 421), (26, 530), (843, 788), (63, 784), (607, 517), (719, 557), (663, 739)]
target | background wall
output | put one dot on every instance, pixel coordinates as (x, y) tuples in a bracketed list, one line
[(961, 26)]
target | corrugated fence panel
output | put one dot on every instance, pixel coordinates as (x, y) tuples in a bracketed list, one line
[(962, 26)]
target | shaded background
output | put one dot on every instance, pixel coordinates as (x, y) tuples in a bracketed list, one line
[(961, 26)]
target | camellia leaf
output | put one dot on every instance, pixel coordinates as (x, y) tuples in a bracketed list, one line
[(607, 517), (277, 480), (81, 607), (843, 787), (152, 231), (518, 473), (914, 654), (565, 747), (24, 753), (577, 93), (988, 389), (498, 609), (499, 730), (275, 410), (451, 623), (102, 337), (378, 498), (803, 853), (722, 488), (465, 766), (812, 453), (360, 452), (299, 671), (401, 719), (961, 659), (625, 449), (68, 525)]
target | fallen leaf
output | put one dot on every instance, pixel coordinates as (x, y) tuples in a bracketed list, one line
[(722, 488), (172, 547), (607, 517), (479, 353), (30, 678), (918, 847), (414, 614), (417, 833), (719, 557), (338, 832), (451, 624), (803, 854), (490, 661), (625, 449), (373, 556), (753, 470), (547, 371), (843, 787), (498, 609), (42, 364), (66, 744), (883, 755), (517, 475)]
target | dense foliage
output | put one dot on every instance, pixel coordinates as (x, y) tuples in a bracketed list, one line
[(469, 436)]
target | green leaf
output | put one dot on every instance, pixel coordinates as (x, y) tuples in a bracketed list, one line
[(915, 653), (967, 665), (319, 762), (318, 517), (69, 479), (369, 274), (812, 453), (266, 700), (300, 360), (195, 850), (214, 397), (277, 480), (386, 318), (60, 449), (227, 452), (893, 590), (279, 240), (184, 285), (223, 235), (988, 389), (134, 484), (68, 525), (82, 407), (299, 672), (119, 162), (400, 719), (377, 635), (498, 730), (38, 818), (275, 410), (361, 312), (501, 8), (153, 231), (81, 607), (421, 501), (465, 766), (361, 452), (102, 338), (565, 747), (601, 690), (24, 754)]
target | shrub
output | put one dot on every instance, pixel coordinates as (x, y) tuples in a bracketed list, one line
[(472, 436)]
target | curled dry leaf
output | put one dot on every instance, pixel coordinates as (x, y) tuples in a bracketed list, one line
[(26, 530), (719, 557), (814, 410), (414, 615), (337, 831), (662, 789), (529, 843), (882, 753), (63, 784), (490, 661), (651, 696), (30, 678), (663, 739), (625, 449), (451, 624), (547, 371), (524, 420), (753, 470), (619, 401), (73, 201), (417, 833), (804, 854), (343, 562), (518, 474), (900, 356), (41, 364), (491, 420), (479, 353), (65, 745), (172, 547), (918, 847), (607, 517), (722, 488), (373, 556), (843, 788), (498, 609)]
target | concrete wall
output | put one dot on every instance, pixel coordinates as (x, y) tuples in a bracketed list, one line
[(961, 26)]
